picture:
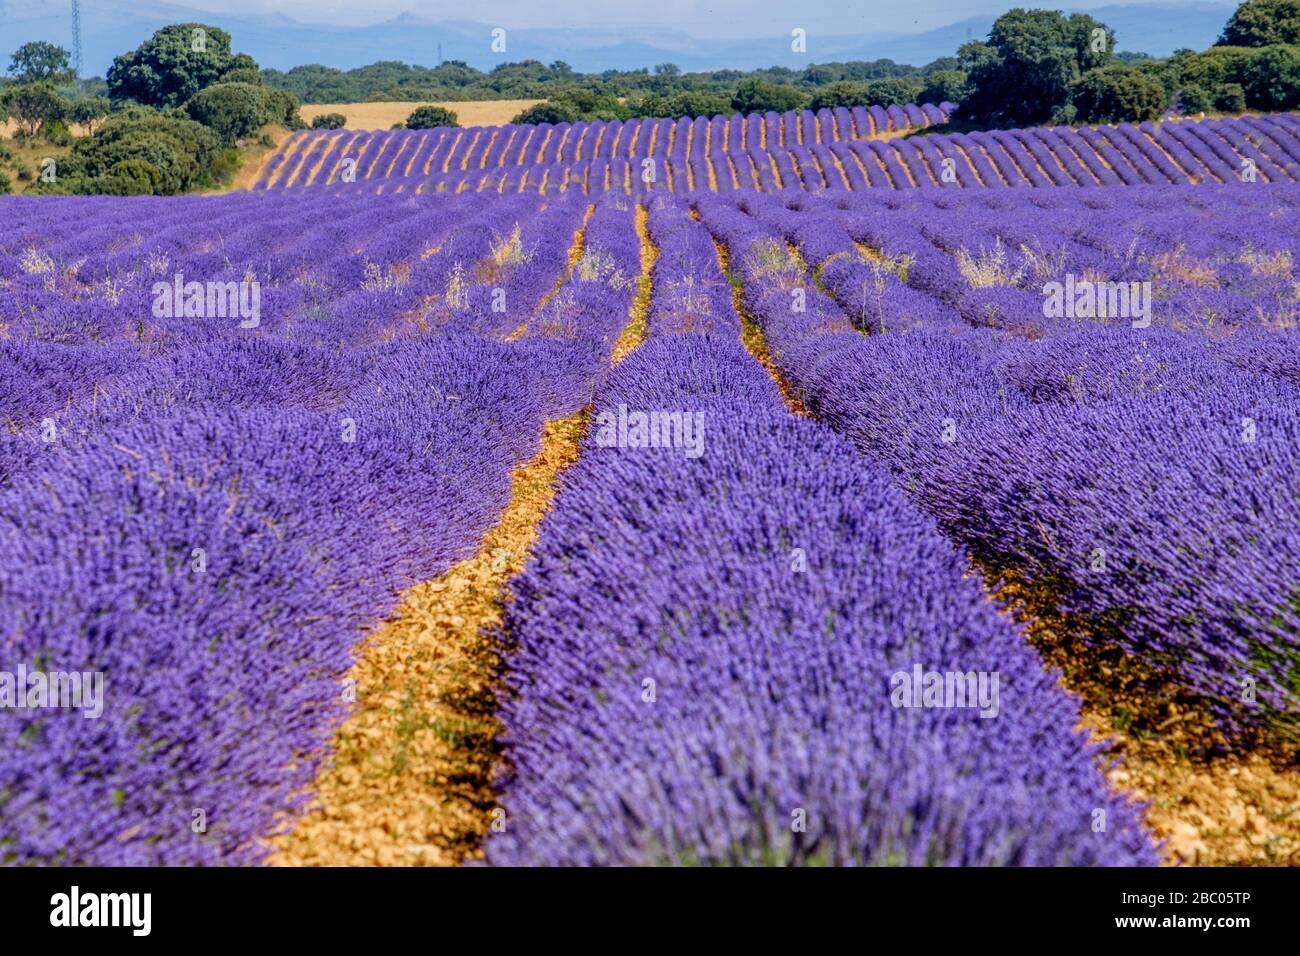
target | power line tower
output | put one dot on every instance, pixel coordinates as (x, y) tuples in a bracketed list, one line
[(76, 37)]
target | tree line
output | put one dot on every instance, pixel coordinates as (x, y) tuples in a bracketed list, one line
[(1035, 66)]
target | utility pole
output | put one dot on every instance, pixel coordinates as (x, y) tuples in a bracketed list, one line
[(76, 37)]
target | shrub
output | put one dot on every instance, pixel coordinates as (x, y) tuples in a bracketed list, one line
[(1271, 79), (690, 103), (178, 155), (950, 85), (840, 93), (231, 110), (329, 121), (131, 177), (56, 133), (1231, 98), (429, 117), (1114, 94), (755, 96), (890, 91), (236, 110), (250, 75), (1194, 98), (281, 107), (548, 112)]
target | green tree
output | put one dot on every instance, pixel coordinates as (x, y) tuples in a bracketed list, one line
[(281, 106), (1271, 79), (171, 66), (1263, 23), (548, 112), (428, 117), (694, 103), (236, 110), (690, 103), (1230, 98), (37, 61), (890, 91), (1024, 74), (1194, 98), (34, 105), (755, 96), (950, 86), (231, 110), (840, 93), (89, 111), (329, 121), (1117, 93)]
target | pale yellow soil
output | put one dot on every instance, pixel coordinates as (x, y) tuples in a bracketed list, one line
[(752, 336), (255, 157), (635, 331), (410, 783), (384, 115), (1211, 803)]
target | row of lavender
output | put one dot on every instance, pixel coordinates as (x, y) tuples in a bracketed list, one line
[(709, 642), (318, 156), (1251, 149), (209, 512), (1139, 469)]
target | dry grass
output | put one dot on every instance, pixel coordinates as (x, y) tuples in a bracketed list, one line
[(28, 155), (383, 115), (9, 127), (254, 157), (989, 267)]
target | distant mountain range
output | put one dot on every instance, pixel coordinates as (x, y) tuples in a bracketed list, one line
[(110, 27)]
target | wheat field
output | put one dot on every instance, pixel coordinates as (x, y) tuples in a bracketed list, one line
[(384, 115)]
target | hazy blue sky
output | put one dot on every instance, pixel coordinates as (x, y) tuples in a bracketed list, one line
[(704, 18)]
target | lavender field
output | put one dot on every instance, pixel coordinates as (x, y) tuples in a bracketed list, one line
[(879, 484), (836, 150)]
